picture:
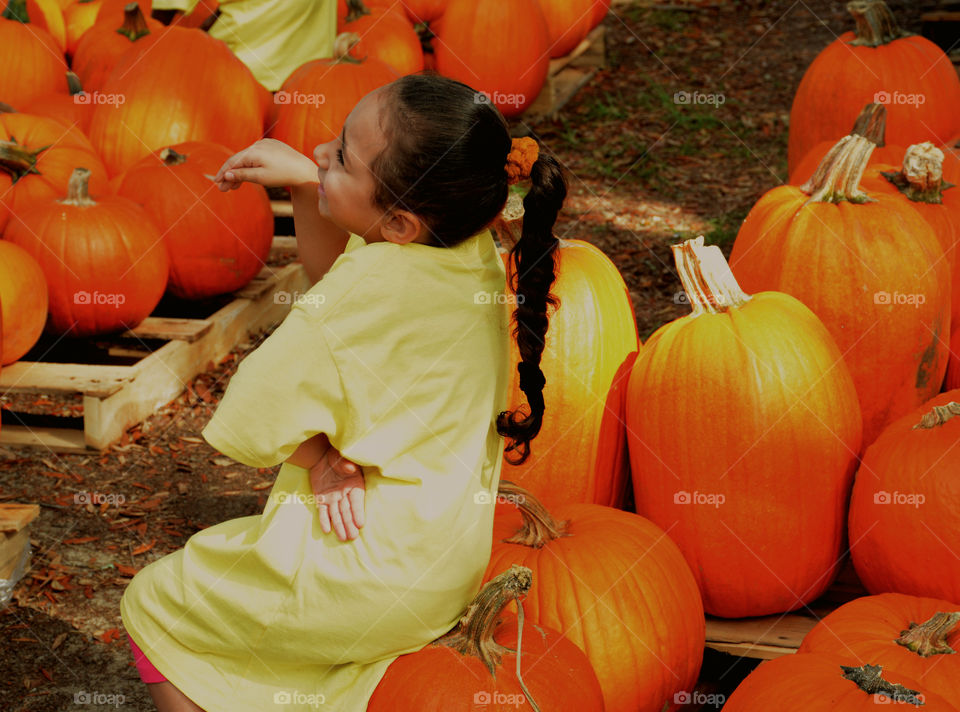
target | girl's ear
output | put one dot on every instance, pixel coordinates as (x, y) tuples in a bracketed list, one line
[(402, 226)]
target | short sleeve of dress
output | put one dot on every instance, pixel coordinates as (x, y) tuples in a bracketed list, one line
[(286, 391), (184, 6)]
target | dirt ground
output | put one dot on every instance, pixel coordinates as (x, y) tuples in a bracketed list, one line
[(645, 172)]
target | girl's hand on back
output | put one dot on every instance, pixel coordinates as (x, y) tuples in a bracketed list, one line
[(339, 489), (268, 162)]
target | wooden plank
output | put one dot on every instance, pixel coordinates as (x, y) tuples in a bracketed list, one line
[(15, 516), (283, 246), (941, 16), (69, 440), (11, 549), (260, 284), (758, 637), (569, 74), (169, 329), (39, 377), (282, 208)]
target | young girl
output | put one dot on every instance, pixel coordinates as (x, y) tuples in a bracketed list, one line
[(397, 358)]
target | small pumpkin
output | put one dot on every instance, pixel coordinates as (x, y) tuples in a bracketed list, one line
[(103, 44), (79, 16), (33, 65), (74, 109), (883, 630), (385, 34), (905, 508), (23, 298), (424, 10), (568, 22), (105, 263), (615, 585), (217, 241), (42, 14), (743, 428), (112, 9), (492, 661), (600, 10)]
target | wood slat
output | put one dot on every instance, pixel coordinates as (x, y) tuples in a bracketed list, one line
[(14, 516), (39, 377), (168, 329), (69, 440), (11, 549), (282, 208), (765, 638)]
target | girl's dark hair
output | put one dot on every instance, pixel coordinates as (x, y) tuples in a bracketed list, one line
[(445, 159)]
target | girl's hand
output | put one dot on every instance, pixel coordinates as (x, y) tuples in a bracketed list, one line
[(339, 488), (268, 162)]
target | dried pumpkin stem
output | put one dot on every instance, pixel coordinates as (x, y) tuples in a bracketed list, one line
[(355, 10), (872, 123), (134, 24), (539, 527), (78, 190), (17, 160), (16, 10), (938, 416), (930, 638), (876, 25), (869, 678), (172, 158), (6, 108), (707, 280), (837, 178), (921, 176), (73, 84)]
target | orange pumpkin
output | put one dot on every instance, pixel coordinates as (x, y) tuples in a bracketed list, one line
[(475, 666), (820, 682), (869, 266), (39, 155), (103, 44), (385, 34), (74, 109), (217, 241), (568, 22), (911, 75), (600, 10), (79, 17), (113, 9), (615, 584), (220, 103), (42, 14), (501, 49), (743, 428), (314, 102), (905, 508), (883, 630), (104, 260), (23, 298), (32, 63), (580, 454), (424, 10)]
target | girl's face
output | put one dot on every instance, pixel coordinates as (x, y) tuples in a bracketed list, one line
[(346, 183)]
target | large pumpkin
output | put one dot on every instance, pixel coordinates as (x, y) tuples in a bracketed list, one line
[(883, 630), (819, 682), (580, 454), (879, 62), (41, 14), (32, 63), (79, 16), (314, 102), (424, 10), (869, 266), (23, 298), (489, 662), (112, 9), (568, 22), (499, 48), (104, 260), (217, 241), (905, 508), (73, 109), (177, 85), (613, 583), (38, 155), (600, 10), (385, 34), (103, 44), (744, 428)]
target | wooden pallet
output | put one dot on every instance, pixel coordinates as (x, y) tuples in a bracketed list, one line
[(14, 534), (569, 74), (770, 637), (116, 397)]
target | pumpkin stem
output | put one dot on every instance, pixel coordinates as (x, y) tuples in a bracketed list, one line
[(16, 10), (938, 416), (876, 25), (872, 123), (73, 84), (342, 46), (355, 10), (78, 190), (19, 160), (172, 158), (838, 176), (869, 678), (134, 24), (474, 634), (921, 177), (930, 638), (707, 279), (6, 108), (539, 527)]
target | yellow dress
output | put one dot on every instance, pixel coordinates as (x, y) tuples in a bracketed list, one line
[(399, 354), (272, 37)]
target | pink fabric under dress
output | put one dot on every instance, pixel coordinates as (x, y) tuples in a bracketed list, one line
[(148, 673)]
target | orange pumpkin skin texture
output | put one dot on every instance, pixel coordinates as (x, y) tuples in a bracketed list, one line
[(619, 588), (113, 9), (221, 102), (44, 15), (387, 35), (68, 148), (844, 77), (439, 678), (777, 441), (866, 630), (217, 241), (99, 49), (905, 507), (499, 48), (23, 298), (424, 10), (600, 10), (580, 454), (105, 262), (814, 682), (79, 17), (32, 63), (849, 262), (569, 22), (64, 107)]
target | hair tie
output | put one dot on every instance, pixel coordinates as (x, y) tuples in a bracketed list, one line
[(523, 154)]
